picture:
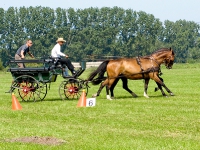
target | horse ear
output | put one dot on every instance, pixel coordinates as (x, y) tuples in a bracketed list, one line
[(172, 51)]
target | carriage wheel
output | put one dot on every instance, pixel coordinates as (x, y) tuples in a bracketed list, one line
[(43, 90), (71, 89), (28, 88)]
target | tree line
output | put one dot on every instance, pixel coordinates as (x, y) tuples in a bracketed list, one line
[(93, 33)]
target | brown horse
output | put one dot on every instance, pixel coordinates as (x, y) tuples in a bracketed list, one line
[(146, 67)]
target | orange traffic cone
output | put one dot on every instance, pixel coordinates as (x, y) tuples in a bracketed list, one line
[(15, 103), (82, 100)]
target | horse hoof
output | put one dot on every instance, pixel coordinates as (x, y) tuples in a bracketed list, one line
[(135, 96), (156, 89), (94, 95), (171, 94), (145, 95), (108, 97)]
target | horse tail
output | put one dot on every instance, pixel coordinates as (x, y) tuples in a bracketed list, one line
[(100, 72)]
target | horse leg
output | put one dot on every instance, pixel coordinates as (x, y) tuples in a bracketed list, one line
[(146, 87), (157, 79), (109, 84), (112, 88), (99, 90), (168, 90), (160, 87), (105, 83), (107, 93), (125, 86)]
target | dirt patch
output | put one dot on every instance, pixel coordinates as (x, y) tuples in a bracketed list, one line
[(38, 140)]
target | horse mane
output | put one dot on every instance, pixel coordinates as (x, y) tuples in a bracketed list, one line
[(162, 50), (157, 52)]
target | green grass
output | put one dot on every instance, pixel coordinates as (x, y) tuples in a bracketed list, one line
[(157, 123)]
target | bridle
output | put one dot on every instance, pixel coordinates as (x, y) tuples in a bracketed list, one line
[(167, 61)]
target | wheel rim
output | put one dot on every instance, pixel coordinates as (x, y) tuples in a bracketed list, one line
[(43, 90), (71, 89), (28, 88), (28, 91)]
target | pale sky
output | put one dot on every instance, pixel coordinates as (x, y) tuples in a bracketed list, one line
[(172, 10)]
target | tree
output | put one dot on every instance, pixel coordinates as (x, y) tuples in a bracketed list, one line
[(181, 35), (97, 32)]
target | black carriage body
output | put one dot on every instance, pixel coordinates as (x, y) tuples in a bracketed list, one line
[(44, 75)]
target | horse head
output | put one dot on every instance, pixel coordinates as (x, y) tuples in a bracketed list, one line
[(169, 59)]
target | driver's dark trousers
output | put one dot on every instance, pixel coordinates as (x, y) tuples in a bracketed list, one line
[(68, 63)]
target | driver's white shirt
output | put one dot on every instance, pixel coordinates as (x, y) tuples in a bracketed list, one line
[(55, 52)]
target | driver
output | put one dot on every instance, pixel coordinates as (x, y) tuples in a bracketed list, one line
[(56, 53)]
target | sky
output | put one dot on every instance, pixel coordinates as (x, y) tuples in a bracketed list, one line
[(172, 10)]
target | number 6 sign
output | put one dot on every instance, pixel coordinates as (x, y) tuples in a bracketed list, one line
[(90, 102)]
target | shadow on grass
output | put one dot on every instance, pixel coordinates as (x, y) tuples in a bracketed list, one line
[(155, 96)]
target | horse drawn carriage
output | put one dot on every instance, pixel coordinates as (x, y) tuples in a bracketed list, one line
[(30, 83)]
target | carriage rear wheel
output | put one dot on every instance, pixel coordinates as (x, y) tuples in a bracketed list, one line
[(72, 89), (29, 89)]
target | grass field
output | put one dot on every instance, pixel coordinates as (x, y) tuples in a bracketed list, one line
[(157, 123)]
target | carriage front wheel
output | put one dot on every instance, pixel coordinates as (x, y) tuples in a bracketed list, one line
[(72, 89)]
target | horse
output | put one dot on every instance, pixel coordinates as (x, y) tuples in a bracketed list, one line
[(145, 67)]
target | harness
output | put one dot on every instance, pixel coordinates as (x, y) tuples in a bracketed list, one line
[(148, 70), (152, 69), (139, 63)]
